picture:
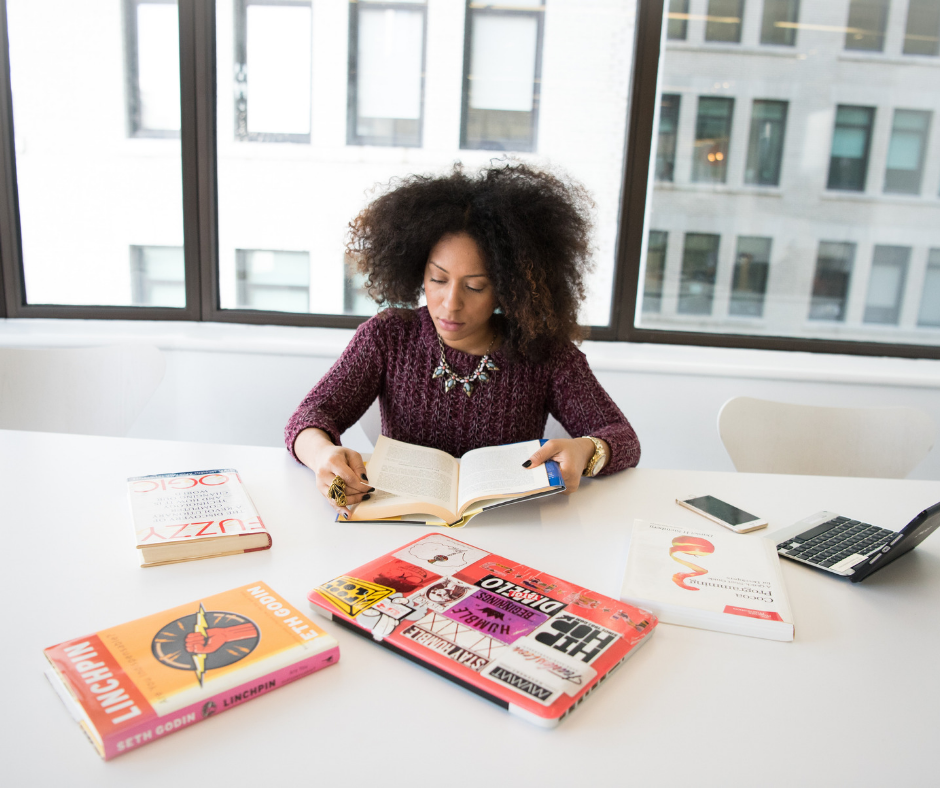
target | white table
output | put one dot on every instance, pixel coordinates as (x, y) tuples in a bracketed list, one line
[(853, 701)]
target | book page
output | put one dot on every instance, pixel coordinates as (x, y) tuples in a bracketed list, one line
[(496, 471), (414, 472)]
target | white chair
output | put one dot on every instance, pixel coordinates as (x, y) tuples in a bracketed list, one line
[(775, 437), (91, 391)]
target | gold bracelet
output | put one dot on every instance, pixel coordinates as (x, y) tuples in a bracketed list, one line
[(599, 453)]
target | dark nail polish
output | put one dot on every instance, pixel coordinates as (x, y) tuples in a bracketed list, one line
[(363, 477), (527, 463), (366, 497), (345, 516), (372, 489)]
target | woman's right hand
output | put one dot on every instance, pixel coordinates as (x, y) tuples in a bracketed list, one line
[(315, 450)]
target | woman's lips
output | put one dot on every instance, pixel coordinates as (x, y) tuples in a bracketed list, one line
[(449, 325)]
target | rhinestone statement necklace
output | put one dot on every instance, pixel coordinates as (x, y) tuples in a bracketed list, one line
[(482, 373)]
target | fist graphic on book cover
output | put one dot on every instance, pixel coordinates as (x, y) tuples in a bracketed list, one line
[(216, 637)]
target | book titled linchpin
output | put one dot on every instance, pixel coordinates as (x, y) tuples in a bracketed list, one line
[(137, 682)]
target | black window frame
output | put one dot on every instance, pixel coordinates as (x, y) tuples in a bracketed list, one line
[(353, 137), (200, 209)]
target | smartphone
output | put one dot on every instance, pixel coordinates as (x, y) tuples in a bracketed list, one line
[(723, 513)]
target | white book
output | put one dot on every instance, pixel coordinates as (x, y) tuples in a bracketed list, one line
[(707, 578)]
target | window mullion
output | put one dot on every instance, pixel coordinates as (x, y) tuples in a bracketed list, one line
[(200, 211), (11, 250)]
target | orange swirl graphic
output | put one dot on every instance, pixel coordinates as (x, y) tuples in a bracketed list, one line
[(690, 545)]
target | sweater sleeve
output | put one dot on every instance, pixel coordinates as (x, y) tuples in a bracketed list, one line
[(347, 390), (583, 407)]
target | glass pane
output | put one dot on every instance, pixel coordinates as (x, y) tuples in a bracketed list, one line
[(285, 192), (158, 276), (96, 117), (678, 25), (387, 82), (797, 230), (778, 25), (866, 25), (724, 21), (922, 36)]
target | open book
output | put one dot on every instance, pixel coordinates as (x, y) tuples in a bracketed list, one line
[(415, 480)]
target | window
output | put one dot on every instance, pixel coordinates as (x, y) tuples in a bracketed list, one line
[(848, 162), (724, 21), (922, 35), (153, 68), (831, 283), (158, 276), (699, 268), (272, 69), (712, 133), (666, 147), (930, 299), (749, 285), (886, 284), (502, 73), (655, 269), (386, 73), (865, 28), (273, 281), (765, 147), (905, 164), (778, 25), (678, 26)]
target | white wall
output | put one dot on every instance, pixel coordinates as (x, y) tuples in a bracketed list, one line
[(239, 383)]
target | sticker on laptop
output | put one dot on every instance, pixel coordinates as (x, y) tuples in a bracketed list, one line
[(442, 595), (351, 596), (440, 554), (533, 670), (452, 633), (496, 616), (575, 637)]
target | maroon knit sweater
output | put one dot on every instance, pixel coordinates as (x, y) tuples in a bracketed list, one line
[(392, 357)]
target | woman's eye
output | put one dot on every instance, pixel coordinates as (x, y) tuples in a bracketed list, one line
[(474, 289), (437, 281)]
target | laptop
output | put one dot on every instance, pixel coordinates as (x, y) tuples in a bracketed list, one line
[(531, 643), (852, 548)]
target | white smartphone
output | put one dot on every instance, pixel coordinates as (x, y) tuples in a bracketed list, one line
[(723, 513)]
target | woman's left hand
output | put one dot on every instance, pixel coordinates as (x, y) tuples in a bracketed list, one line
[(572, 456)]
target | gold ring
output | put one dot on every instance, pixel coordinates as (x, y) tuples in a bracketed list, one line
[(337, 491)]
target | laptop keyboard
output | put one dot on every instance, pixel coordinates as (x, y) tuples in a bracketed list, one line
[(835, 540)]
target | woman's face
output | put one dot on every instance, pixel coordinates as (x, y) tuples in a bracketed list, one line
[(460, 296)]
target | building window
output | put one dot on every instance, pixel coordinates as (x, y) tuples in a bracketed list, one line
[(272, 68), (749, 284), (712, 132), (886, 284), (272, 280), (778, 25), (765, 146), (356, 298), (929, 315), (905, 164), (699, 268), (666, 146), (502, 72), (831, 282), (678, 26), (922, 35), (153, 67), (655, 269), (386, 73), (158, 277), (865, 28), (723, 23), (848, 163)]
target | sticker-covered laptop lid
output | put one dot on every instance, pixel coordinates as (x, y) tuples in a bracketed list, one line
[(531, 643)]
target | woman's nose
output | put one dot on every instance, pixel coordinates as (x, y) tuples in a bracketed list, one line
[(452, 298)]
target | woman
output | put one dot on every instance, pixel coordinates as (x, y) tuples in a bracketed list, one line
[(500, 257)]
